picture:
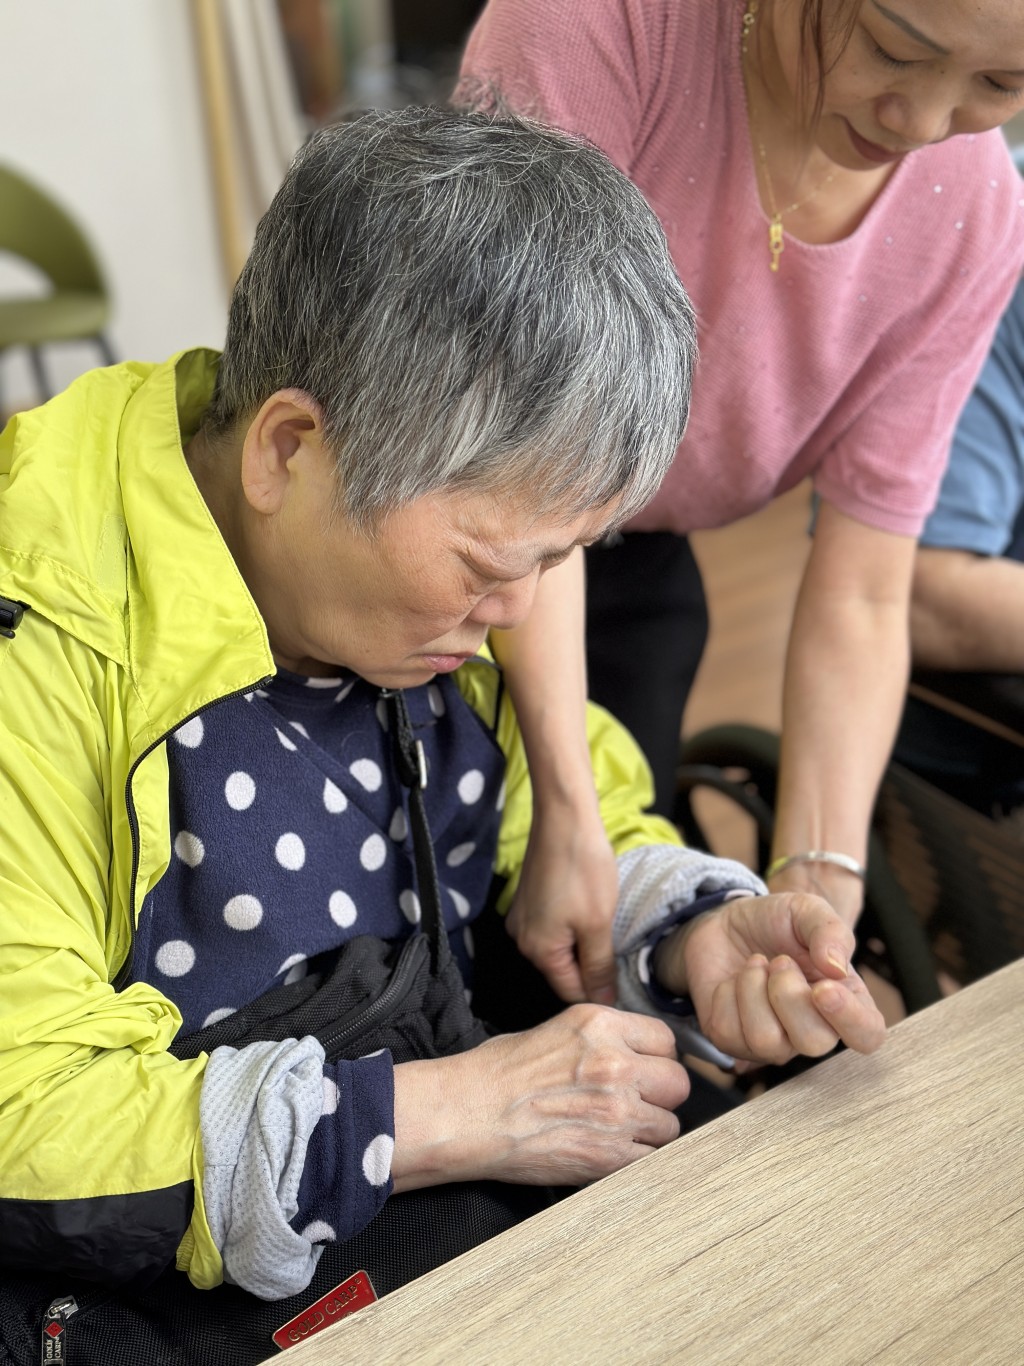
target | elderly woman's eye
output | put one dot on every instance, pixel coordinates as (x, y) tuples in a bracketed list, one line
[(482, 577)]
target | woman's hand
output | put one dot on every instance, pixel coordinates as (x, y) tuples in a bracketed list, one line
[(561, 915), (770, 977), (563, 1104), (843, 890)]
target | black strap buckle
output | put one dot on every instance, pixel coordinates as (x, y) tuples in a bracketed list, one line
[(11, 613)]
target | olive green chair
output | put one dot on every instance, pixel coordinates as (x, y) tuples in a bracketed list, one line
[(36, 229)]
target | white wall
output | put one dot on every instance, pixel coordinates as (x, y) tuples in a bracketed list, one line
[(100, 103)]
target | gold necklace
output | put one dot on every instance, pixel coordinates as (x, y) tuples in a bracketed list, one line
[(776, 239)]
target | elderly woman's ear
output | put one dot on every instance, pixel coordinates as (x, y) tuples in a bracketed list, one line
[(284, 436)]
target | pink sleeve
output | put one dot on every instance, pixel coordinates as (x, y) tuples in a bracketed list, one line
[(591, 67), (886, 467)]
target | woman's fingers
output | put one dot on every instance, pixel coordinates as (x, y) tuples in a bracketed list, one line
[(850, 1010), (767, 1013), (792, 1000)]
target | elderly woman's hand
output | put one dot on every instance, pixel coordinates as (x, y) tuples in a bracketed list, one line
[(770, 977), (561, 915), (563, 1104)]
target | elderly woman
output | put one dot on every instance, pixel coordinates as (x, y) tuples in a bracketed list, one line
[(458, 351)]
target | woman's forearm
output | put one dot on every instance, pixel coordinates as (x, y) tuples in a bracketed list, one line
[(846, 674), (562, 912), (545, 670)]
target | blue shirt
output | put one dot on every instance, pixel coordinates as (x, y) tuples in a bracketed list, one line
[(981, 502)]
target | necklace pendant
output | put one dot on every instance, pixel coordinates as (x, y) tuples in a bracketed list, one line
[(776, 242)]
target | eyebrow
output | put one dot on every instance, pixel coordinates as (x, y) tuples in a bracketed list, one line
[(920, 37), (909, 29), (518, 569)]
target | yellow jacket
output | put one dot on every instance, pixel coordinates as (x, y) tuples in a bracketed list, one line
[(138, 619)]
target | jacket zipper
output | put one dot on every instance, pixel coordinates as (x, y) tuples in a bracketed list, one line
[(54, 1345), (401, 979), (123, 973)]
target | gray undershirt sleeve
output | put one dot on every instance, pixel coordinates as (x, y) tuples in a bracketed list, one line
[(657, 884), (258, 1108)]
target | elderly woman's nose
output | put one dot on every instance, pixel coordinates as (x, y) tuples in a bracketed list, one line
[(508, 605)]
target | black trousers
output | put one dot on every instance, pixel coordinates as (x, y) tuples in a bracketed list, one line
[(647, 624)]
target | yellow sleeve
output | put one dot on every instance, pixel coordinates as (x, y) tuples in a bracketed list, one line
[(92, 1107)]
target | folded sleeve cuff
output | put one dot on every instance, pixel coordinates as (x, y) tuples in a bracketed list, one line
[(660, 888)]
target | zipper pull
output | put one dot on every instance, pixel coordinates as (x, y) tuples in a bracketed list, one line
[(55, 1322)]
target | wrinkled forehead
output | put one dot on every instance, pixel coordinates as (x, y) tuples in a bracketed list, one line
[(507, 528)]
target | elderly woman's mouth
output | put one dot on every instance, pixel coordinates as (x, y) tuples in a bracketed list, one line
[(445, 664)]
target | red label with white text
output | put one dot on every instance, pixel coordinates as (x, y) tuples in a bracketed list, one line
[(346, 1298)]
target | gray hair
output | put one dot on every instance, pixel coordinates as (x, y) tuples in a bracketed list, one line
[(475, 302)]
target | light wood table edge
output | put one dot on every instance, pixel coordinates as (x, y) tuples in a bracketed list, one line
[(870, 1210)]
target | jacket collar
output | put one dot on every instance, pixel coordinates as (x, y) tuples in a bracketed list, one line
[(195, 634), (104, 532)]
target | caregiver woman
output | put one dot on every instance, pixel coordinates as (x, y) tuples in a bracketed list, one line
[(849, 226)]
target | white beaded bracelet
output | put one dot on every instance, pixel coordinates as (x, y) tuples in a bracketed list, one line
[(816, 856)]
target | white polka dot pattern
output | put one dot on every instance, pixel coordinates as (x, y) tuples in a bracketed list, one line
[(319, 1231), (342, 909), (290, 852), (189, 848), (243, 912), (215, 1016), (373, 853), (191, 733), (239, 791), (175, 958), (367, 774), (294, 967), (471, 787), (460, 903), (330, 1096), (377, 1159), (399, 827), (458, 856), (299, 845)]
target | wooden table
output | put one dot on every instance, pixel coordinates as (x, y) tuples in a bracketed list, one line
[(871, 1210)]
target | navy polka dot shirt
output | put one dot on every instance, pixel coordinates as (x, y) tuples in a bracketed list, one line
[(290, 834)]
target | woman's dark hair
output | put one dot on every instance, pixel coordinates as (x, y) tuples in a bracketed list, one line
[(826, 27)]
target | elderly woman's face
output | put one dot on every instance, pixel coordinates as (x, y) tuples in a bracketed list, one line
[(414, 599)]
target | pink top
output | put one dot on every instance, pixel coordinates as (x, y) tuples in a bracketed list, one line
[(853, 362)]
